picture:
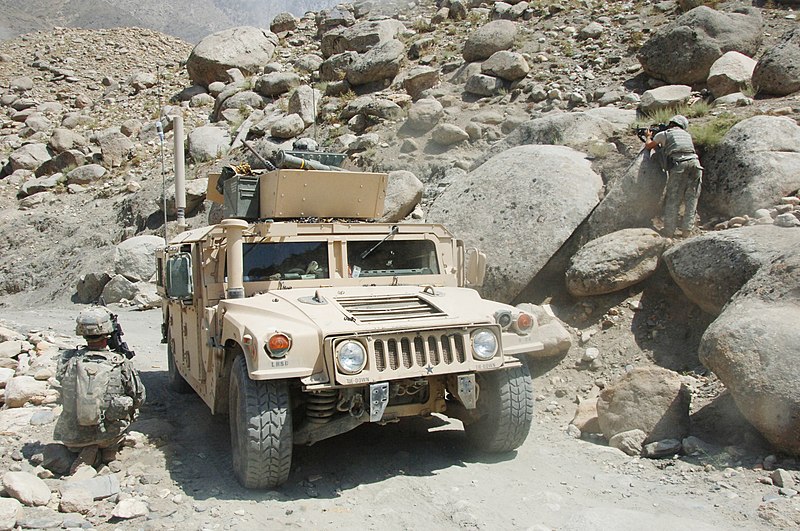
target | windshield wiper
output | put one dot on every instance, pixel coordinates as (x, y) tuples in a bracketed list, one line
[(368, 252)]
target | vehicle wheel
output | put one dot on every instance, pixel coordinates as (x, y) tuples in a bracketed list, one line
[(261, 429), (175, 381), (504, 410)]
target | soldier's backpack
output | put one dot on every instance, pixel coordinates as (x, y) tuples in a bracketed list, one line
[(101, 394)]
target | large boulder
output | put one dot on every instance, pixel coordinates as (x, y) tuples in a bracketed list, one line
[(308, 63), (510, 66), (335, 17), (632, 199), (277, 83), (575, 129), (653, 399), (10, 513), (64, 162), (403, 193), (305, 102), (733, 72), (683, 51), (40, 184), (484, 85), (666, 97), (29, 157), (419, 79), (752, 346), (371, 106), (245, 48), (27, 488), (380, 63), (100, 487), (288, 126), (21, 390), (424, 114), (614, 262), (195, 195), (242, 100), (119, 289), (361, 37), (6, 334), (283, 22), (712, 268), (778, 70), (135, 258), (519, 207), (334, 68), (208, 142), (6, 374), (116, 148), (448, 135), (64, 139), (90, 287), (87, 174), (13, 348), (754, 166), (490, 38)]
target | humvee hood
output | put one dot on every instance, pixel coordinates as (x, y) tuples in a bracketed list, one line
[(372, 308)]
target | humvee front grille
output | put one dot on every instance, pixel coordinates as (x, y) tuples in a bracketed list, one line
[(391, 308), (420, 350)]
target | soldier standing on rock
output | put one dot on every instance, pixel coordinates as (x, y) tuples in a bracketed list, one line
[(685, 174), (100, 390)]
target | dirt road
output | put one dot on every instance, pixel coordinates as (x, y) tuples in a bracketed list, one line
[(417, 475)]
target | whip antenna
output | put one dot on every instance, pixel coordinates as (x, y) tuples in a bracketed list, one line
[(160, 130), (314, 107)]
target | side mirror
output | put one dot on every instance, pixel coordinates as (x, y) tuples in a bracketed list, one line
[(475, 267), (179, 282)]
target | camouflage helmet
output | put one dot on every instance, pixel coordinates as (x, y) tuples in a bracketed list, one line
[(680, 121), (94, 322)]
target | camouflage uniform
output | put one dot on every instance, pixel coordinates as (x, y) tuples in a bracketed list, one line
[(685, 175), (100, 391)]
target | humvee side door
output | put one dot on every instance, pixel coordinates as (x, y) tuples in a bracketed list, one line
[(183, 332)]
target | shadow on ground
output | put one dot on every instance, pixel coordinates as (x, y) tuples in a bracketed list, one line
[(196, 449)]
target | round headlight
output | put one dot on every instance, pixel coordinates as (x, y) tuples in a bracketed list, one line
[(351, 356), (484, 344)]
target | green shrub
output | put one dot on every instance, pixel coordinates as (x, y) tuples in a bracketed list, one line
[(662, 116), (708, 134)]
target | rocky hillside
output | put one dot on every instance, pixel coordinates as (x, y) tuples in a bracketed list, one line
[(187, 19), (511, 123)]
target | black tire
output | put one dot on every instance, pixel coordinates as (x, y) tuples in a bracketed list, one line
[(261, 429), (175, 381), (504, 410)]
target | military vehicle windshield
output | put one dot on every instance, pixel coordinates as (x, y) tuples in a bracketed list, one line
[(390, 258), (285, 261)]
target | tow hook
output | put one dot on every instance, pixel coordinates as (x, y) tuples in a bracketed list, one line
[(378, 398), (467, 390)]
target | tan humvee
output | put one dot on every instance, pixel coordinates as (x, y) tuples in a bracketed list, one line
[(301, 331)]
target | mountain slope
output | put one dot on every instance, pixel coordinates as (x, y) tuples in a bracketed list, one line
[(190, 20)]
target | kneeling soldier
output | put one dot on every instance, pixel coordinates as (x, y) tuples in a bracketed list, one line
[(100, 390)]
